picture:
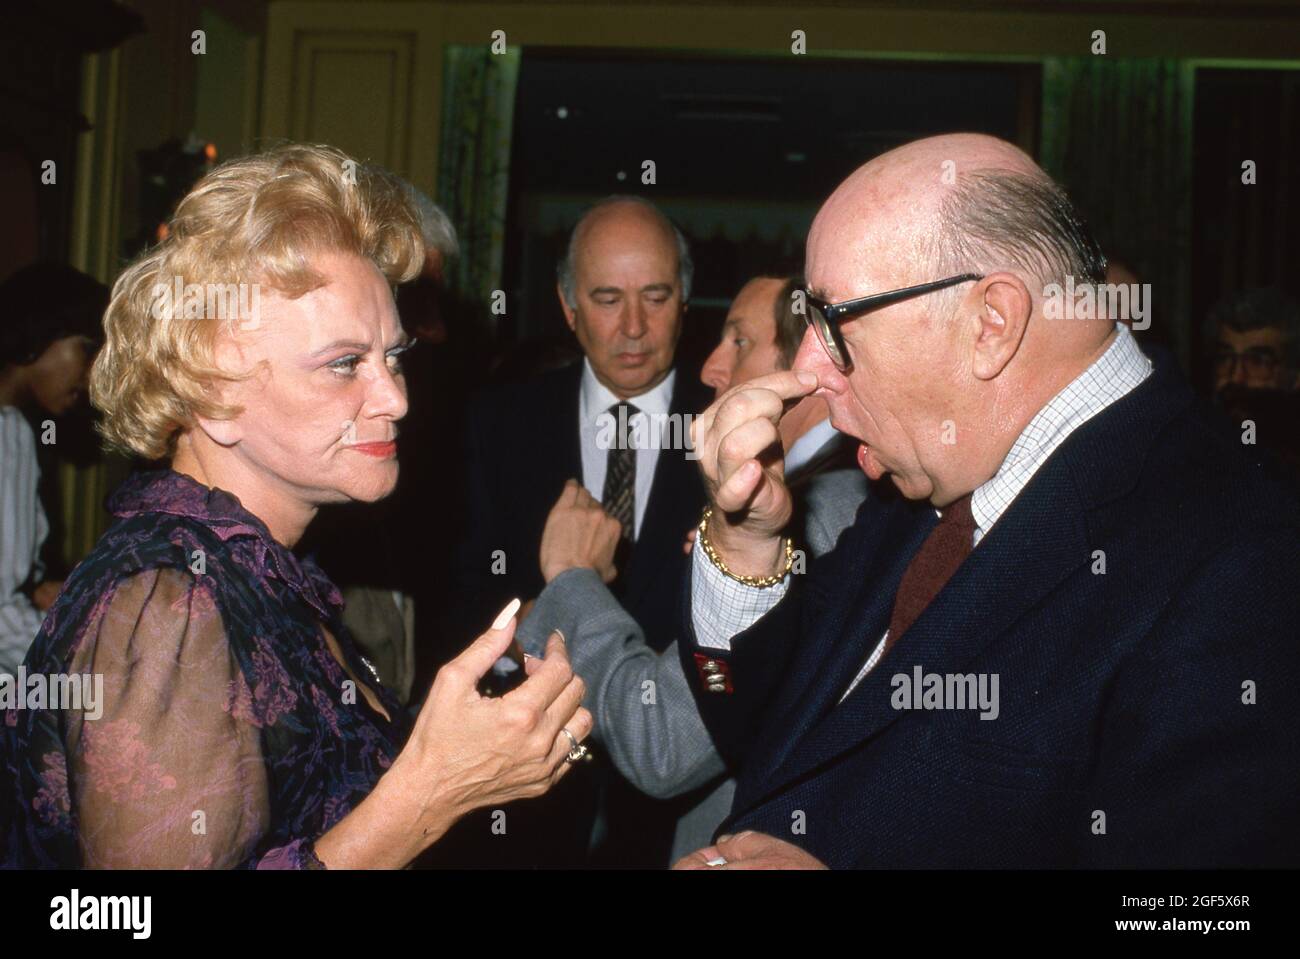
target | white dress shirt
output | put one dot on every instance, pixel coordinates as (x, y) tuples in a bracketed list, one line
[(722, 607), (594, 399), (23, 528)]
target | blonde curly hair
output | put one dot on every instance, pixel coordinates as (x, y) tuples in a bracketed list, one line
[(257, 219)]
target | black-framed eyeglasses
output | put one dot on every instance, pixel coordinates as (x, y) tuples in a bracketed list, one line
[(1257, 361), (826, 318)]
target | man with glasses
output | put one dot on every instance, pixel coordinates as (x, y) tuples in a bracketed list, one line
[(1256, 340), (649, 722), (1054, 649)]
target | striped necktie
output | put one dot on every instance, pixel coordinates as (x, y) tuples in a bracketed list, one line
[(619, 495)]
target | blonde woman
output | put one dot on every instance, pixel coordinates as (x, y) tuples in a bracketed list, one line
[(237, 724)]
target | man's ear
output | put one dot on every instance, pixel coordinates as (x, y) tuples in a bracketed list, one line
[(1005, 306), (564, 305)]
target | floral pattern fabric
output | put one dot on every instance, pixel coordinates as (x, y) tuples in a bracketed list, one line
[(226, 733)]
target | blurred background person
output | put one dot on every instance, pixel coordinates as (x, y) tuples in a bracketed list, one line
[(49, 332), (1256, 339), (761, 335), (659, 743), (623, 285)]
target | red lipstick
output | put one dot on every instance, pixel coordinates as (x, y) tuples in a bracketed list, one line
[(378, 450)]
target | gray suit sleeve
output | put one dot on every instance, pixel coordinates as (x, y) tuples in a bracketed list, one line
[(833, 500), (645, 714)]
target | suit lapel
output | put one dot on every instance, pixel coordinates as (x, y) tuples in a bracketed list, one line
[(556, 441), (866, 581), (1039, 541)]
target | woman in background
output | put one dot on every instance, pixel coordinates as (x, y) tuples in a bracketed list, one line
[(49, 328), (238, 725)]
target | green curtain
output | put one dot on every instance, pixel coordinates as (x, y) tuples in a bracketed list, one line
[(1117, 134), (474, 161)]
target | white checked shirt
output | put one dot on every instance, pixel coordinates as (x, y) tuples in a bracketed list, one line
[(722, 607), (594, 399)]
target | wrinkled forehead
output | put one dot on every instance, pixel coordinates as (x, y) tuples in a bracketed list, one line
[(848, 257), (874, 232), (355, 303)]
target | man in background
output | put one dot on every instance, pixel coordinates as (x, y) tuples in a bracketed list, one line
[(1256, 339), (617, 423), (648, 720)]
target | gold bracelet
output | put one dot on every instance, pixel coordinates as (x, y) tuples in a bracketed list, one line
[(764, 582)]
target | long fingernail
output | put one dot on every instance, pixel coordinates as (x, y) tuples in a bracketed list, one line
[(507, 614), (556, 632)]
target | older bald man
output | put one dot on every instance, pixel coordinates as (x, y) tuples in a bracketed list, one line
[(623, 285), (1071, 642)]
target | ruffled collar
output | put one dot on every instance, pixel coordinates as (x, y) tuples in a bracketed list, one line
[(166, 491)]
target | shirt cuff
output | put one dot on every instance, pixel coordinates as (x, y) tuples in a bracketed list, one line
[(721, 607)]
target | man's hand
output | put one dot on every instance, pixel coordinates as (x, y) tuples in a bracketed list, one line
[(743, 464), (750, 850), (579, 534)]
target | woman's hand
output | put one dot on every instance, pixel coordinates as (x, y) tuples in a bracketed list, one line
[(466, 752), (475, 751), (579, 534)]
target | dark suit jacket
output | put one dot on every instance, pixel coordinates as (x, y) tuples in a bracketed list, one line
[(521, 445), (1121, 693)]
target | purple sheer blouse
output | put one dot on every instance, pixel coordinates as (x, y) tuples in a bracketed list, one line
[(225, 732)]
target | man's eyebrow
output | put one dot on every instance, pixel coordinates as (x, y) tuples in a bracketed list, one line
[(657, 288), (605, 291)]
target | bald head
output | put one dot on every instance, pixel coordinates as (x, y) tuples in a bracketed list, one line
[(941, 384), (623, 286), (959, 203)]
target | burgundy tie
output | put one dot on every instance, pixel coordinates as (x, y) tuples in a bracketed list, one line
[(933, 565)]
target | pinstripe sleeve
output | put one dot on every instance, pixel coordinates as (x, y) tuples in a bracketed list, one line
[(23, 528)]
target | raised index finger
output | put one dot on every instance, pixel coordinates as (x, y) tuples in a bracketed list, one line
[(783, 388)]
